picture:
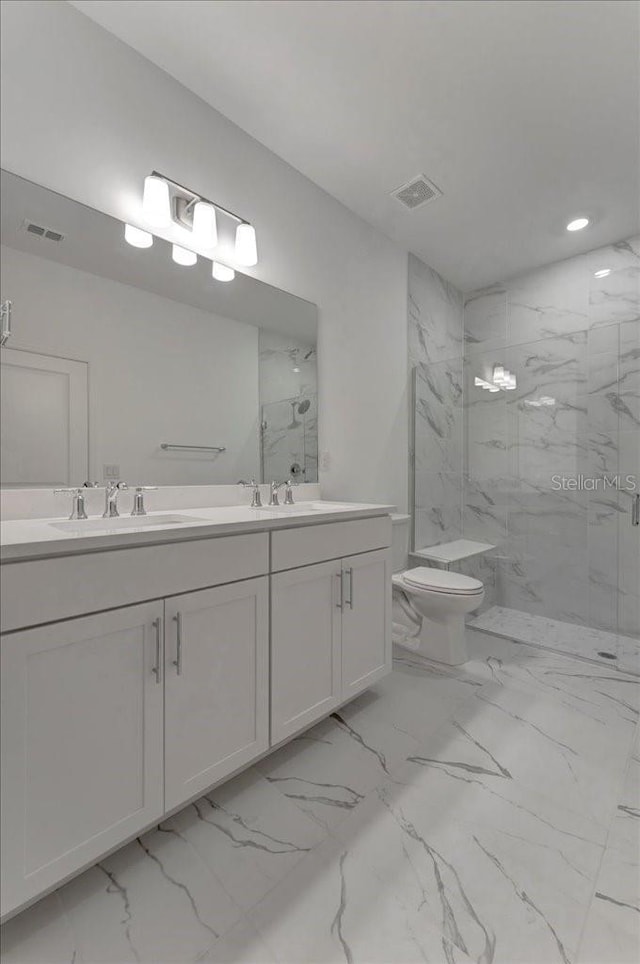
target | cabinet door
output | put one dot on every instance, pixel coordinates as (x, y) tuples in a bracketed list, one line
[(216, 685), (366, 620), (305, 647), (81, 743)]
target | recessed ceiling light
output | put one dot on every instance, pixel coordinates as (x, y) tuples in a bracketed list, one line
[(602, 273), (577, 224)]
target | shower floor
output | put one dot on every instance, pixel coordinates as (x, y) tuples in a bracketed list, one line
[(612, 649)]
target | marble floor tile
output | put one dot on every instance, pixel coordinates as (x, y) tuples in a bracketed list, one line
[(544, 747), (612, 931), (585, 688), (247, 834), (334, 907), (152, 901), (242, 945), (328, 770), (477, 884), (485, 813), (569, 638), (40, 935)]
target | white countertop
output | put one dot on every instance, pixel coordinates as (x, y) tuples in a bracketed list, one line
[(22, 539)]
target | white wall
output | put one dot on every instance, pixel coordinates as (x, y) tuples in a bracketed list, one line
[(86, 115), (159, 371)]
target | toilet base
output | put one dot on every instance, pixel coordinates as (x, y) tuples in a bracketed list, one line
[(442, 640)]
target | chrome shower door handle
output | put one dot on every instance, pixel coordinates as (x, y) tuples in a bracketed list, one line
[(635, 510), (157, 669), (177, 662)]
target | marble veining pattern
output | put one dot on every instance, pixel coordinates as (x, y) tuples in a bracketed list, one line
[(486, 813), (573, 342), (623, 652)]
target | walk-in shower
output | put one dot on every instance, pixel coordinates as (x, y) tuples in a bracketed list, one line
[(545, 464)]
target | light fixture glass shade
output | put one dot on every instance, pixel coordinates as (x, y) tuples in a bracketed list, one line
[(246, 247), (205, 228), (137, 237), (222, 272), (577, 224), (156, 201), (183, 256), (602, 273)]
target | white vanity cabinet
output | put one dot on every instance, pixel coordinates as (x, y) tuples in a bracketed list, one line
[(330, 621), (305, 647), (366, 620), (82, 747), (136, 679), (216, 685)]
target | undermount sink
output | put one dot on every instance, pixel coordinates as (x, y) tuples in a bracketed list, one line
[(121, 522)]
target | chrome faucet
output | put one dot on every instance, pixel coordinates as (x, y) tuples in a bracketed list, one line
[(111, 492), (288, 492), (78, 507), (256, 500), (138, 499), (274, 492)]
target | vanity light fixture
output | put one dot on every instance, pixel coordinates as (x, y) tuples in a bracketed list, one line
[(205, 226), (222, 272), (602, 273), (167, 202), (137, 237), (156, 201), (246, 252), (183, 256), (577, 224)]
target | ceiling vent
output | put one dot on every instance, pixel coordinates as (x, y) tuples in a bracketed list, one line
[(41, 232), (417, 192)]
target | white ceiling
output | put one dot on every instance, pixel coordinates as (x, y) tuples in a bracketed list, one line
[(525, 113)]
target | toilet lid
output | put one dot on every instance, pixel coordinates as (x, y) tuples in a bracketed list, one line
[(442, 580)]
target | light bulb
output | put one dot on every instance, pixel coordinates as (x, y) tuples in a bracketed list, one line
[(205, 228), (577, 224), (498, 373), (246, 250), (156, 201), (137, 237), (222, 272), (183, 256), (602, 273)]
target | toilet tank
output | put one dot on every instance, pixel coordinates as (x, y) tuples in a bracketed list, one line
[(400, 541)]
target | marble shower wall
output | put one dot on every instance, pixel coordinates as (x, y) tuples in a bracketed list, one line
[(573, 342), (289, 408), (435, 339)]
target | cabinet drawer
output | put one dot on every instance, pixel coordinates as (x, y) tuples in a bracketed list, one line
[(47, 590), (307, 545)]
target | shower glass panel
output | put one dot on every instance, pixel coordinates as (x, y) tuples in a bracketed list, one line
[(551, 469), (436, 456), (289, 436)]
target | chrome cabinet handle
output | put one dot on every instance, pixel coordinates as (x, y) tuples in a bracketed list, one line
[(349, 574), (339, 604), (177, 662), (157, 669), (635, 510)]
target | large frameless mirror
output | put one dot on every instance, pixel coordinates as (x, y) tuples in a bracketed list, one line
[(122, 364)]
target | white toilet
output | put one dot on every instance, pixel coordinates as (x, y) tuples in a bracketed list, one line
[(429, 605)]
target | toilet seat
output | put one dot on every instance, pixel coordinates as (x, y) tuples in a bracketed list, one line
[(442, 580)]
